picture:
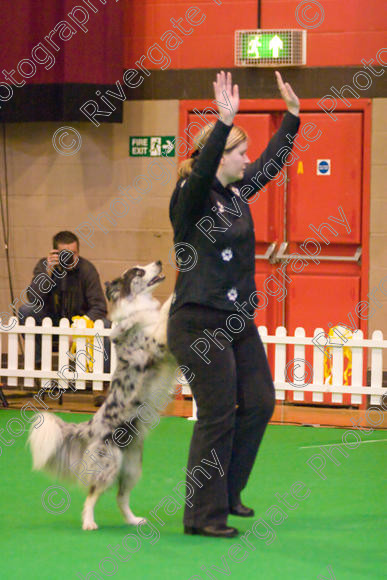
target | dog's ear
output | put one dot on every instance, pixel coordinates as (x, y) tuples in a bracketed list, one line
[(110, 290)]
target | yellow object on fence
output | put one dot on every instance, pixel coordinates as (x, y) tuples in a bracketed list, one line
[(347, 353), (89, 342)]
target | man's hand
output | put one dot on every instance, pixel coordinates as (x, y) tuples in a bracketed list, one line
[(52, 261), (288, 95), (227, 94)]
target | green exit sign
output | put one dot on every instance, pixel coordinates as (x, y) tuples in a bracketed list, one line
[(161, 146), (270, 47)]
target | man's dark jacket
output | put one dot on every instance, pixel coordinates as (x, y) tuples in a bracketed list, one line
[(78, 292)]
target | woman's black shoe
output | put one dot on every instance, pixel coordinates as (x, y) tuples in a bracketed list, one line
[(242, 511), (216, 531)]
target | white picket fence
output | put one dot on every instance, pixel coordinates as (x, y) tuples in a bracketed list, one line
[(65, 361), (360, 348), (320, 389)]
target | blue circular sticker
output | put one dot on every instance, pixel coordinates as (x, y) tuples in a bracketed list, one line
[(323, 167)]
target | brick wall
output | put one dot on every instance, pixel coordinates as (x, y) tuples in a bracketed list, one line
[(378, 219)]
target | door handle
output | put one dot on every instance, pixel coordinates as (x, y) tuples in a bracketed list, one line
[(282, 249), (267, 255)]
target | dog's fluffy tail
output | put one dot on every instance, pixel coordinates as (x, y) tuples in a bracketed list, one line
[(56, 446)]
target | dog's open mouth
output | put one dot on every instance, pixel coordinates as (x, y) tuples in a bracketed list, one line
[(156, 279)]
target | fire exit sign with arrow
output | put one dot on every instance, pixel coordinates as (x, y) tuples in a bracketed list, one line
[(270, 47)]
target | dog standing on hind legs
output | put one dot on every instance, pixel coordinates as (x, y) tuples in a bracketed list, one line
[(108, 448)]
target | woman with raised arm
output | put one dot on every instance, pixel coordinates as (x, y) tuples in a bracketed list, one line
[(231, 379)]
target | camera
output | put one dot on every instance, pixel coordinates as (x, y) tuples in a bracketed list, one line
[(66, 260)]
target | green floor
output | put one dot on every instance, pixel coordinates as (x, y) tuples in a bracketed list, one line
[(335, 533)]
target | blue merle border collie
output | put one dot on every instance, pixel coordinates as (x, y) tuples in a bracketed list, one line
[(108, 448)]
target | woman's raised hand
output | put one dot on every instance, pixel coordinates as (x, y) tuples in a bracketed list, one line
[(226, 96), (288, 95)]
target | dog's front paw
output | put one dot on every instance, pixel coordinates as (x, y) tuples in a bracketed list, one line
[(164, 310), (160, 335), (89, 526)]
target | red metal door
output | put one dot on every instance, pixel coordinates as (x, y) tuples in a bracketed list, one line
[(323, 215)]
